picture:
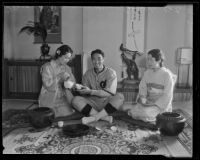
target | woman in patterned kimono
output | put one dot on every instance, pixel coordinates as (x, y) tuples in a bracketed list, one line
[(54, 73), (155, 89)]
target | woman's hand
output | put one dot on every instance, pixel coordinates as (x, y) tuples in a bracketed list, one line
[(141, 100), (63, 76), (145, 102), (147, 105)]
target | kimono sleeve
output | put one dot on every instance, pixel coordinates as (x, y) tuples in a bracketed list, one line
[(48, 79), (167, 96), (143, 86), (72, 78), (85, 80)]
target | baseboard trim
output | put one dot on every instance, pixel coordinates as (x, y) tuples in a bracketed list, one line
[(13, 99)]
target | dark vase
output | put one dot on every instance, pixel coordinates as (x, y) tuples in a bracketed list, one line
[(45, 48), (170, 123), (41, 117)]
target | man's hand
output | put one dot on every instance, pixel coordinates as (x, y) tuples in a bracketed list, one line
[(85, 90), (78, 86)]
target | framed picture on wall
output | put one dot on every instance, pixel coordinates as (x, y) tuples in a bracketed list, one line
[(50, 16)]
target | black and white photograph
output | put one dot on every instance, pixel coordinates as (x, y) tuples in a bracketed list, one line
[(98, 80)]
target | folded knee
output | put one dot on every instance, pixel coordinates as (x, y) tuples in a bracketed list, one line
[(120, 96), (77, 101)]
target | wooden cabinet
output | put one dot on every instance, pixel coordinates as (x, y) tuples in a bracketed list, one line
[(23, 79)]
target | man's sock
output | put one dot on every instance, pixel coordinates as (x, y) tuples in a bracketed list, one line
[(86, 120), (105, 112), (86, 110), (93, 112), (110, 109)]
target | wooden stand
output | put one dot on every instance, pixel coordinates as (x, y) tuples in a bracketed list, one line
[(129, 83), (129, 88)]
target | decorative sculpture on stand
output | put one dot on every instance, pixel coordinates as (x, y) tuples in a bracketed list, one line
[(132, 69)]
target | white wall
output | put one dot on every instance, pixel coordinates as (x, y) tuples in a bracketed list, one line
[(166, 31), (103, 29), (72, 28), (89, 28), (7, 34)]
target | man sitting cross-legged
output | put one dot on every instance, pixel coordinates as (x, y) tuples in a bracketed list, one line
[(98, 94)]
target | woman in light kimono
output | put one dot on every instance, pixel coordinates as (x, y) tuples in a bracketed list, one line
[(155, 89), (54, 73)]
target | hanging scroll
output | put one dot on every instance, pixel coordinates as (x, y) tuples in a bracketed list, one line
[(135, 28)]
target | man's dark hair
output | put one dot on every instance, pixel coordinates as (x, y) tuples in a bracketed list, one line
[(158, 55), (97, 51)]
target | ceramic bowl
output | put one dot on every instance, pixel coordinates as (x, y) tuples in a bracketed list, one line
[(75, 130), (41, 117), (170, 123)]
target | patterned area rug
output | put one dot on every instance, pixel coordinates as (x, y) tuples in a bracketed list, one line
[(13, 119), (185, 138), (103, 138)]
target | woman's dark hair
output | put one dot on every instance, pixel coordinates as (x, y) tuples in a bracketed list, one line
[(97, 51), (158, 55), (62, 50)]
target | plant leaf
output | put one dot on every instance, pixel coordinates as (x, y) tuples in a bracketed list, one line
[(35, 28), (27, 28)]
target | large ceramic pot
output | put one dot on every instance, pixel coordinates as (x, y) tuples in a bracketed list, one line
[(41, 117), (170, 123)]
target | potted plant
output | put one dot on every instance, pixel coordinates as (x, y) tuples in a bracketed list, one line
[(39, 30)]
